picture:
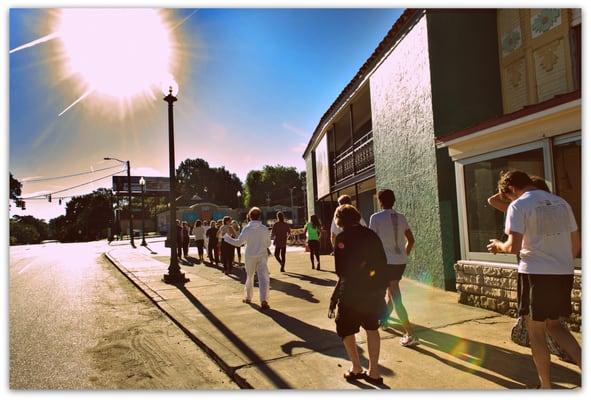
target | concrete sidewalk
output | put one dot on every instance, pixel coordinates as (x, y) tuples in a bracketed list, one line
[(294, 345)]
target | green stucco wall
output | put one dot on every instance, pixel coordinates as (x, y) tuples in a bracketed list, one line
[(405, 154), (310, 174)]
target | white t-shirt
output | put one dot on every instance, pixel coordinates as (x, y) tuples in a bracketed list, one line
[(390, 227), (199, 232), (335, 229), (546, 222)]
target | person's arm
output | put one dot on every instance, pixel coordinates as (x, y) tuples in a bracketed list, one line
[(333, 235), (410, 241), (575, 243), (273, 230), (239, 241), (511, 246), (499, 202)]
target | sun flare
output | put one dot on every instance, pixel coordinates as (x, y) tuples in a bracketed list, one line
[(116, 52)]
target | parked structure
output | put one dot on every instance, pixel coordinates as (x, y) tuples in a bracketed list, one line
[(447, 100)]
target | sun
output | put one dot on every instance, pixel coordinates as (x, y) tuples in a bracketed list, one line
[(120, 53)]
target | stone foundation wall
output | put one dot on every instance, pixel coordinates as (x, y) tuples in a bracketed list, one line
[(494, 287)]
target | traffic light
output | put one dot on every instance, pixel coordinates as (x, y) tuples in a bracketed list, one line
[(60, 201)]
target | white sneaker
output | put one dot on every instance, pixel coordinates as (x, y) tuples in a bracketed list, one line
[(407, 341)]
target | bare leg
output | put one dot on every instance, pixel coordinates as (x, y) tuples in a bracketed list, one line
[(351, 348), (565, 340), (373, 349), (539, 350), (395, 296)]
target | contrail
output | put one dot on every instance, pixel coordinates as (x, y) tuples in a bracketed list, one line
[(35, 42), (184, 20), (89, 91)]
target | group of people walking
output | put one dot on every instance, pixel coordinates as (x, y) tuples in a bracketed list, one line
[(370, 261)]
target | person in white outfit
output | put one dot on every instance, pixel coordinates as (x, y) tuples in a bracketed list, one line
[(257, 239)]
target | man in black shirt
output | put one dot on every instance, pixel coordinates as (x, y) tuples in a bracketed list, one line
[(360, 263)]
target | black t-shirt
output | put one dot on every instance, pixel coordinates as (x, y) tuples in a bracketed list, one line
[(361, 263), (212, 234)]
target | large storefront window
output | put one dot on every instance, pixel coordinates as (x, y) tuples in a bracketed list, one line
[(480, 179)]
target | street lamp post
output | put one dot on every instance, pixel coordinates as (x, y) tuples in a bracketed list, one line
[(143, 186), (174, 276), (239, 195), (131, 241), (305, 202)]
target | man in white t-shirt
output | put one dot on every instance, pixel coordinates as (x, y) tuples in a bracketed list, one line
[(542, 230), (334, 228), (398, 240)]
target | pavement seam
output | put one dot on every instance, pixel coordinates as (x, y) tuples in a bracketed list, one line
[(230, 371)]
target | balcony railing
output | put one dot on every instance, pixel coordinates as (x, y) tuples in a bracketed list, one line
[(355, 159)]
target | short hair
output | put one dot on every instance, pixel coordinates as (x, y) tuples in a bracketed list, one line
[(540, 183), (226, 220), (514, 177), (198, 222), (344, 199), (387, 198), (255, 214), (280, 216), (347, 215)]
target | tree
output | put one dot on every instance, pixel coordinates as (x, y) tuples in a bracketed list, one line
[(15, 188), (87, 218), (274, 183), (27, 230), (194, 175)]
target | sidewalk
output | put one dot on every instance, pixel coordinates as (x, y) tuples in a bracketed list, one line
[(294, 345)]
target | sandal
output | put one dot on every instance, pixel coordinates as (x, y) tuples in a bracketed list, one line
[(352, 376), (373, 381)]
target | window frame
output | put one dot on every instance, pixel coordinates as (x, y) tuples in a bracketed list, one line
[(466, 254)]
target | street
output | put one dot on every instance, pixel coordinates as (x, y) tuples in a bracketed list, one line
[(77, 323)]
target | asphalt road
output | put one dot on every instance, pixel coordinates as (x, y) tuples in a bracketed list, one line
[(77, 323)]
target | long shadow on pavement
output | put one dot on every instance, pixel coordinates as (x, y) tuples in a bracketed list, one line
[(314, 338), (516, 366), (243, 347), (294, 290), (312, 279)]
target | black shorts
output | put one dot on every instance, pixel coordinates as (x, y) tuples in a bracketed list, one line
[(349, 320), (394, 271), (544, 296)]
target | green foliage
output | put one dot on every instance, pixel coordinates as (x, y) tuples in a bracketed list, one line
[(15, 188), (87, 218), (27, 230), (194, 175), (274, 182)]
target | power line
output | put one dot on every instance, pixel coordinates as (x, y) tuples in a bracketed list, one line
[(69, 176), (42, 196)]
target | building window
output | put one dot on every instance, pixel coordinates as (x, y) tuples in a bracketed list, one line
[(567, 173), (480, 182), (575, 49)]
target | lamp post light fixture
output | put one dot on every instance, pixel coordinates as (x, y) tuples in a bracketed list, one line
[(239, 195), (143, 186), (131, 241), (174, 275)]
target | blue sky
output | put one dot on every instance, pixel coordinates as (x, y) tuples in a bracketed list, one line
[(253, 86)]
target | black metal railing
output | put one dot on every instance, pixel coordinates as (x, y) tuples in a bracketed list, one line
[(355, 159)]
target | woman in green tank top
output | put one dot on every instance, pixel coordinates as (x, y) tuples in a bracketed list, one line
[(313, 234)]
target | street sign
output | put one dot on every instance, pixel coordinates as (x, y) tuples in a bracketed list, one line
[(155, 185)]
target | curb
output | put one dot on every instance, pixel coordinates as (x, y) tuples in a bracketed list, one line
[(152, 296)]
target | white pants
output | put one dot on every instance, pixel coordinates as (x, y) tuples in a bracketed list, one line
[(259, 265)]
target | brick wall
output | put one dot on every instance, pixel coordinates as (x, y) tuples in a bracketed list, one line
[(495, 288)]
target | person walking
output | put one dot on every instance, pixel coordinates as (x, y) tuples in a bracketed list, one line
[(256, 237), (542, 229), (360, 263), (312, 229), (279, 234), (186, 238), (227, 250), (334, 228), (199, 232), (212, 243), (237, 229), (397, 238)]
